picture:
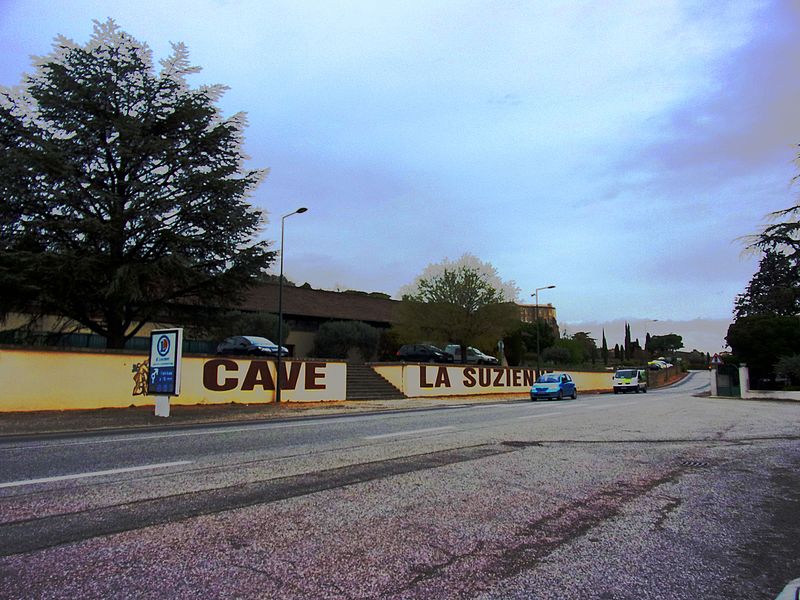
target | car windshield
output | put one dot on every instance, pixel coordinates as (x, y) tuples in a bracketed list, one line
[(626, 373), (548, 379), (258, 341)]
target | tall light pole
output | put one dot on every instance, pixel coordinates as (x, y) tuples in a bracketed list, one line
[(280, 312), (536, 320)]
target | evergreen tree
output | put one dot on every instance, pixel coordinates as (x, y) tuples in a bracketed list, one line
[(628, 349), (604, 349), (124, 192), (774, 288)]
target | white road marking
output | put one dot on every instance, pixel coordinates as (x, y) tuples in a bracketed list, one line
[(94, 474), (411, 432), (156, 436), (541, 415), (609, 405)]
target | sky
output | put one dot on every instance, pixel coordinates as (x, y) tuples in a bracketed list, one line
[(616, 150)]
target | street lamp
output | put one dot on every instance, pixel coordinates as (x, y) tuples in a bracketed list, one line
[(280, 312), (536, 320)]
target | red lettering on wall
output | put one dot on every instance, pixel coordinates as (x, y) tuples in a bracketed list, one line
[(442, 378), (289, 382), (484, 376), (211, 375), (423, 381), (517, 378), (258, 374), (498, 378), (469, 377), (312, 375), (527, 377)]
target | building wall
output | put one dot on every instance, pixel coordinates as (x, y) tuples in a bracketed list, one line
[(59, 380), (421, 380)]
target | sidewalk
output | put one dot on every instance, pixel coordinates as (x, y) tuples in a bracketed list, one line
[(142, 417)]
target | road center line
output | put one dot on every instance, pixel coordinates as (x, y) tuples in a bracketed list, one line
[(541, 415), (411, 432), (94, 474), (609, 406), (172, 434)]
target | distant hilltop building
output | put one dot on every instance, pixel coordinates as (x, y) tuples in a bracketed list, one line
[(547, 313)]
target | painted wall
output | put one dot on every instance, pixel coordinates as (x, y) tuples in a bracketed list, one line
[(420, 380), (57, 380)]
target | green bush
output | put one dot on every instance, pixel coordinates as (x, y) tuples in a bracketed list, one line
[(335, 339), (789, 367)]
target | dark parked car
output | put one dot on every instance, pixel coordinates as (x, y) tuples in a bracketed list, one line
[(250, 345), (423, 353)]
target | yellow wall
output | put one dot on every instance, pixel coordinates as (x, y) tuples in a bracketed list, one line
[(56, 380), (416, 380)]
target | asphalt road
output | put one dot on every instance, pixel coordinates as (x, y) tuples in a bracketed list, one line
[(658, 495)]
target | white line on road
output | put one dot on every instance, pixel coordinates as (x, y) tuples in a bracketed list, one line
[(602, 406), (94, 474), (156, 436), (541, 415), (412, 432)]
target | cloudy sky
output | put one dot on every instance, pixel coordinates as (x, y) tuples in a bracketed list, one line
[(617, 150)]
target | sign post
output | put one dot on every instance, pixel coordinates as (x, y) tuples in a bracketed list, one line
[(166, 352)]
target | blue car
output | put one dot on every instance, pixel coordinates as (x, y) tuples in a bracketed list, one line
[(554, 385)]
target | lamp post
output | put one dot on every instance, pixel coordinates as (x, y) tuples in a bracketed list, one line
[(280, 312), (536, 319)]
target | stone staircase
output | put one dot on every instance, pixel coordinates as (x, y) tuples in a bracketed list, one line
[(365, 384)]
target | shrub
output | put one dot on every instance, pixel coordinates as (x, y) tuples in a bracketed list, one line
[(335, 339)]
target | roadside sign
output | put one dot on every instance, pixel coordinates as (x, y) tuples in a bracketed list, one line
[(165, 362), (716, 360)]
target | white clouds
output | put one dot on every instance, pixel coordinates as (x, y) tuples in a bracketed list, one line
[(558, 141)]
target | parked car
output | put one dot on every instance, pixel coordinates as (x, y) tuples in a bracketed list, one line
[(423, 353), (474, 356), (657, 365), (250, 345), (554, 385), (630, 380)]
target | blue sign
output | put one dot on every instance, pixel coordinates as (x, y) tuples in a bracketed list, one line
[(165, 360)]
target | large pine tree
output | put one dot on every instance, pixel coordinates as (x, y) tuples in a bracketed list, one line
[(124, 196), (774, 288)]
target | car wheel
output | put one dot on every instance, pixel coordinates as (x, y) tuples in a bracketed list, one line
[(644, 389), (431, 360), (616, 391), (574, 394)]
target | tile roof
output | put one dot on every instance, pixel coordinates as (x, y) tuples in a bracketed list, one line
[(306, 302)]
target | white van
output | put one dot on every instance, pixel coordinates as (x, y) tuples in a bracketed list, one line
[(630, 380)]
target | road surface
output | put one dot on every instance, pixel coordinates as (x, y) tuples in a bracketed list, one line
[(657, 495)]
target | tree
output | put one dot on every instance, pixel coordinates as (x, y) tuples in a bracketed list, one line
[(604, 350), (124, 192), (462, 302), (586, 345), (789, 367), (335, 339), (628, 349), (774, 288), (666, 344), (761, 340)]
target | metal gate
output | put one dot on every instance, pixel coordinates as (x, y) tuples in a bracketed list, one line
[(728, 381)]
